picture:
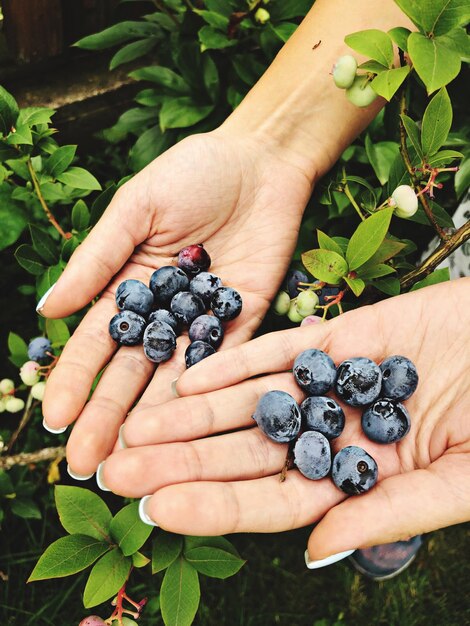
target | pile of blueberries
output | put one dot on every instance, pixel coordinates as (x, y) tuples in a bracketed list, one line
[(359, 382), (177, 297)]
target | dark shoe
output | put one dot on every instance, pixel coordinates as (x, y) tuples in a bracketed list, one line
[(388, 560)]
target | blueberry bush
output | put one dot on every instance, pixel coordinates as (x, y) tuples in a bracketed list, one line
[(364, 232)]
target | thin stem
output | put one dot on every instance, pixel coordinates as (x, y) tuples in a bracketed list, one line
[(163, 9), (26, 458), (349, 195), (24, 420), (47, 210)]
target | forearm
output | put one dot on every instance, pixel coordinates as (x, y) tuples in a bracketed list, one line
[(296, 106)]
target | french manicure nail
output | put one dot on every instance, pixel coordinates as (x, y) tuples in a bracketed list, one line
[(54, 431), (42, 301), (173, 388), (143, 513), (99, 478), (78, 476), (122, 443), (329, 560)]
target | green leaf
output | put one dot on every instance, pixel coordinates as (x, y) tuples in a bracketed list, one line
[(106, 578), (372, 43), (12, 223), (462, 177), (164, 77), (25, 508), (132, 51), (139, 560), (116, 34), (59, 160), (387, 250), (32, 116), (29, 259), (82, 511), (325, 265), (67, 556), (214, 562), (222, 543), (368, 272), (458, 40), (357, 285), (128, 530), (435, 64), (389, 285), (79, 178), (100, 203), (80, 215), (373, 66), (212, 39), (210, 77), (219, 6), (381, 156), (182, 112), (413, 133), (288, 9), (44, 245), (21, 136), (400, 36), (327, 243), (214, 19), (18, 347), (436, 16), (438, 276), (441, 215), (8, 111), (6, 486), (148, 146), (444, 157), (437, 120), (180, 594), (284, 30), (166, 548), (387, 83), (149, 97), (48, 278), (367, 238), (58, 332)]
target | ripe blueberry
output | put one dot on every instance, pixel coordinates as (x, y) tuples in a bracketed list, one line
[(354, 471), (326, 293), (127, 328), (293, 278), (162, 315), (196, 351), (344, 71), (38, 348), (358, 381), (133, 295), (405, 201), (226, 303), (324, 415), (278, 416), (360, 92), (312, 455), (204, 285), (159, 342), (165, 283), (194, 259), (306, 302), (386, 421), (314, 372), (399, 378), (207, 328), (281, 304), (185, 306)]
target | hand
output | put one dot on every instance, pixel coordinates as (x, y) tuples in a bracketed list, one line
[(235, 195), (213, 485)]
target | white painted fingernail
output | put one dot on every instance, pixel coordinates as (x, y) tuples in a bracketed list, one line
[(122, 443), (329, 560), (99, 478), (42, 301), (173, 388), (78, 476), (143, 513), (54, 431)]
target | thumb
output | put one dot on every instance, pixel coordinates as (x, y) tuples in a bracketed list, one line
[(399, 507), (125, 223)]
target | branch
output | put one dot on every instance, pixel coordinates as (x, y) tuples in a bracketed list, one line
[(24, 420), (25, 458), (47, 210)]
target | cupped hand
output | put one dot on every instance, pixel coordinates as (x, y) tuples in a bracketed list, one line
[(235, 195), (206, 480)]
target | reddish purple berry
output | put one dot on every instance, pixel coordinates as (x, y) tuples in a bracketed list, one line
[(194, 259), (92, 620)]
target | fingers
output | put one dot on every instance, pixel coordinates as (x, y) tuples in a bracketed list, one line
[(125, 223), (399, 507)]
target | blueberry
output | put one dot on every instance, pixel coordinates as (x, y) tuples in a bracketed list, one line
[(162, 315), (327, 293), (354, 471), (38, 348), (324, 415), (133, 295), (207, 328), (306, 302), (358, 381), (344, 71), (405, 201), (360, 92), (196, 351), (159, 342), (312, 455), (278, 416), (185, 306), (204, 285), (127, 328), (165, 283), (226, 303), (194, 259), (314, 372), (293, 278), (386, 421), (281, 304), (399, 378)]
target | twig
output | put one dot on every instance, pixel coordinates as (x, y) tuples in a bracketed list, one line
[(47, 210), (288, 462), (25, 458), (163, 9), (24, 420), (349, 195)]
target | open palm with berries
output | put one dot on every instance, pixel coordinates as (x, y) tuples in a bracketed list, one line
[(212, 471), (240, 199)]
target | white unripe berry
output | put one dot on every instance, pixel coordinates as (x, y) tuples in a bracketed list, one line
[(344, 71), (405, 201), (361, 93)]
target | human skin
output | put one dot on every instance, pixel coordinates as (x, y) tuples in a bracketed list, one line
[(241, 190)]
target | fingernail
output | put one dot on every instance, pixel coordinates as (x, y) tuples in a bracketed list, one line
[(99, 477), (122, 443), (143, 513), (78, 476), (173, 388), (329, 560), (54, 431), (42, 301)]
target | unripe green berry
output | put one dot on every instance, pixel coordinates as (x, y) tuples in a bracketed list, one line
[(2, 405), (29, 373), (293, 314), (405, 201), (6, 386), (306, 302), (281, 304), (262, 16), (344, 71), (361, 93), (38, 390), (13, 405)]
